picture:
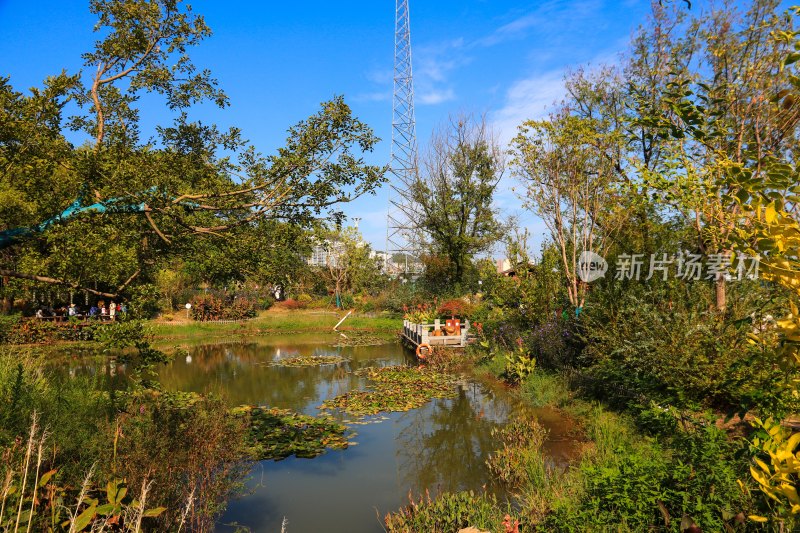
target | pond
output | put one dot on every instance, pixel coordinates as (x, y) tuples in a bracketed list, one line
[(440, 446)]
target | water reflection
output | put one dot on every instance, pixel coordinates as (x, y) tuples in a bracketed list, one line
[(446, 443), (441, 446), (243, 373)]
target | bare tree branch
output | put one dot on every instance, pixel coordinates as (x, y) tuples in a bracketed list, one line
[(54, 281)]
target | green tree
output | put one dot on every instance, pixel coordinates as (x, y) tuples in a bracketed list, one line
[(451, 197), (737, 133), (350, 265), (571, 186), (720, 113), (135, 202)]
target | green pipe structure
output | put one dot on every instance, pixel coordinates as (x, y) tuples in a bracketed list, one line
[(13, 236)]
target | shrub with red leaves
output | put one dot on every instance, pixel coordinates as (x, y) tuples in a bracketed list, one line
[(456, 307), (291, 304)]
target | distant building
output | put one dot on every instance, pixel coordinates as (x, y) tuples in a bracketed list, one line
[(326, 252), (505, 267), (392, 264), (398, 263)]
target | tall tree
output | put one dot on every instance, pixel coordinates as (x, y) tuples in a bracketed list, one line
[(148, 197), (451, 197), (620, 102), (721, 113), (571, 185)]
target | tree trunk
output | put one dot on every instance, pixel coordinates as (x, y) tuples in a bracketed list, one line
[(719, 287), (8, 300), (8, 304), (458, 275)]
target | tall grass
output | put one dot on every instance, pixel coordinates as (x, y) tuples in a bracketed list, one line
[(183, 452), (33, 500), (279, 322), (542, 389)]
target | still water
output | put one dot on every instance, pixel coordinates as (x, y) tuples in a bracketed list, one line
[(441, 446)]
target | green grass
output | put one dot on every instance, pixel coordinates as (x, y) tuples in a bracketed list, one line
[(278, 322), (544, 389), (624, 479)]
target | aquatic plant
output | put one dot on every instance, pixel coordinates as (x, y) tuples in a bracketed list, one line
[(519, 363), (521, 454), (309, 360), (395, 388), (450, 512), (280, 433), (360, 338)]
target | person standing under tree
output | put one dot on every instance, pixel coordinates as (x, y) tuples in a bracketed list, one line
[(112, 310)]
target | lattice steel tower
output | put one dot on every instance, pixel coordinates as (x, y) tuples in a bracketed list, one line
[(403, 161)]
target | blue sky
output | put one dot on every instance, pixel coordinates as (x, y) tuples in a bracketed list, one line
[(278, 60)]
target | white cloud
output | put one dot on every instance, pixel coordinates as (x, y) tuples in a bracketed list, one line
[(552, 20), (526, 99), (433, 65), (511, 30), (377, 96), (436, 96), (380, 76)]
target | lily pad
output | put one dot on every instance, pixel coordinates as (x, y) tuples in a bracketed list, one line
[(395, 389), (360, 338), (279, 433), (309, 360)]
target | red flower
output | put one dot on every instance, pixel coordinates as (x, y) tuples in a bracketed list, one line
[(511, 527)]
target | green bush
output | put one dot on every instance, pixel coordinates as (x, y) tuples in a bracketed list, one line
[(290, 304), (223, 307), (179, 441), (492, 362), (643, 486), (641, 346), (541, 389), (457, 307), (517, 307), (626, 493), (72, 408), (143, 302), (401, 296), (34, 331), (519, 364), (347, 301), (520, 460), (447, 513), (186, 445), (36, 483), (7, 325)]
